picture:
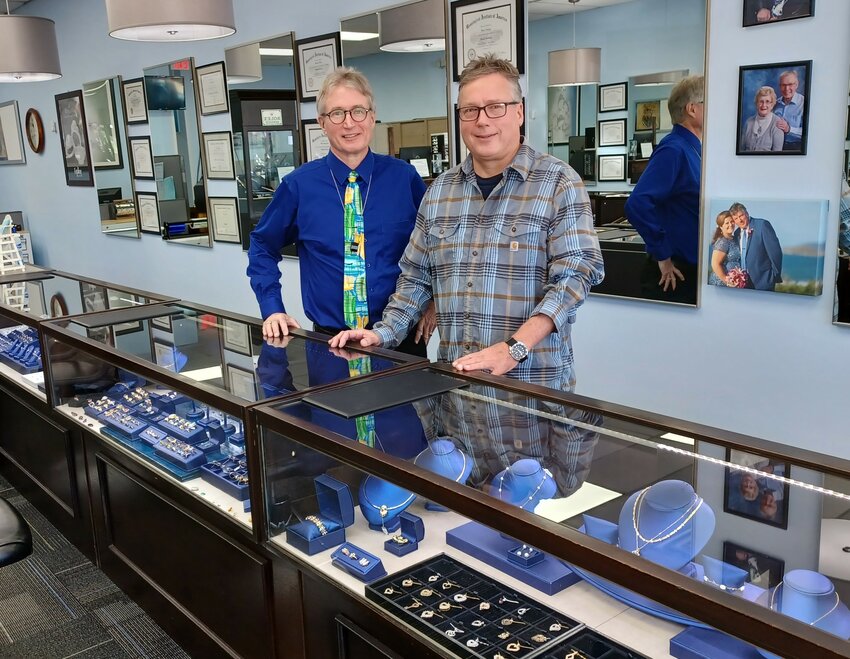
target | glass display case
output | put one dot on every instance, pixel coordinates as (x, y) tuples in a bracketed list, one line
[(496, 519), (36, 294), (175, 397)]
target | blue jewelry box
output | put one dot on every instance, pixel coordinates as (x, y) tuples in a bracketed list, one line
[(226, 475), (525, 556), (410, 533), (336, 511), (358, 563)]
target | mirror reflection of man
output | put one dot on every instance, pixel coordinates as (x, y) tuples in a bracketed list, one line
[(664, 205), (789, 109)]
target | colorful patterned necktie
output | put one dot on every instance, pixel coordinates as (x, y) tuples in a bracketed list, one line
[(355, 305), (354, 302)]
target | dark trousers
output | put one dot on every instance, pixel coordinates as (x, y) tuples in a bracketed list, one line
[(686, 291), (407, 346)]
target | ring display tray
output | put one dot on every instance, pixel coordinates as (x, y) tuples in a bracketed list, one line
[(471, 615)]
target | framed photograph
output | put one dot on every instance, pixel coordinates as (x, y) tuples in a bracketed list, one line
[(241, 382), (218, 156), (235, 336), (648, 115), (147, 211), (93, 297), (72, 138), (764, 12), (135, 101), (11, 137), (753, 491), (166, 355), (316, 58), (611, 167), (764, 571), (773, 109), (162, 322), (563, 104), (481, 27), (121, 300), (611, 132), (224, 218), (316, 144), (102, 124), (613, 97), (141, 157), (212, 88)]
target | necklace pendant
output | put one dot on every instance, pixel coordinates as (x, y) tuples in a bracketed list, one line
[(383, 510), (636, 551)]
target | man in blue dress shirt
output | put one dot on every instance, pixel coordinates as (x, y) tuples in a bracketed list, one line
[(307, 210), (789, 108), (664, 206)]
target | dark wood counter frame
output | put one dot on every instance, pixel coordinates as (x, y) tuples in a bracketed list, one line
[(755, 624)]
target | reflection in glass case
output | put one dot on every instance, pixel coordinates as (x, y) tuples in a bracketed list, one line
[(565, 506)]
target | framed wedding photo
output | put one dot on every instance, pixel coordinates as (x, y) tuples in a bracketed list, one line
[(224, 218), (147, 210), (754, 491), (316, 144), (141, 158), (763, 571), (482, 27), (773, 109), (611, 167), (11, 137), (316, 58), (72, 138), (218, 156), (613, 97), (611, 132), (765, 12), (212, 88), (135, 101)]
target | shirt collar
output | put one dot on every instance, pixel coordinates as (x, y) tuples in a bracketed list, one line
[(796, 99), (683, 132), (340, 170), (521, 164)]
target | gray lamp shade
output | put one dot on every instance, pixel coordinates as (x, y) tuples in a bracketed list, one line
[(413, 28), (656, 79), (243, 64), (29, 52), (575, 66), (170, 20)]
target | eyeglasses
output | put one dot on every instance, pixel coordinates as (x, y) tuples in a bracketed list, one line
[(492, 110), (358, 114)]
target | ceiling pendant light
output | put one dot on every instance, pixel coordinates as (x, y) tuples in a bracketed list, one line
[(575, 66), (658, 79), (415, 28), (243, 64), (29, 52), (170, 20)]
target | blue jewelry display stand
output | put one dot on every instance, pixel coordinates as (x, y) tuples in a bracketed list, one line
[(549, 575), (697, 643)]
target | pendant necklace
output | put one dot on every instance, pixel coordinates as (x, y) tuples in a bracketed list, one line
[(685, 517), (813, 622), (384, 509)]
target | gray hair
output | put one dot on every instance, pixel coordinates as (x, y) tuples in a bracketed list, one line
[(767, 90), (345, 76), (689, 90), (486, 65)]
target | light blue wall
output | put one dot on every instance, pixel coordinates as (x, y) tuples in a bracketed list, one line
[(763, 364), (274, 77)]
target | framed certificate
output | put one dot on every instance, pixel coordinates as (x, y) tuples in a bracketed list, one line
[(224, 217), (218, 156), (147, 212), (241, 382), (316, 144), (212, 88), (135, 101), (613, 98), (316, 58), (611, 168), (141, 157), (11, 137), (481, 27), (611, 132), (235, 336)]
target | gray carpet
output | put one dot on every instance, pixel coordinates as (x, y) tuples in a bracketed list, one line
[(57, 604)]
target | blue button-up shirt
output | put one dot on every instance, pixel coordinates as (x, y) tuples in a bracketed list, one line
[(792, 112), (307, 210), (664, 206)]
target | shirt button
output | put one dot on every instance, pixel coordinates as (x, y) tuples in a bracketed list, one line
[(442, 232), (466, 314), (475, 252), (513, 229), (469, 284), (466, 347)]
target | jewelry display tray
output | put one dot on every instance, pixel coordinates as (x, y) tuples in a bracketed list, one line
[(538, 618)]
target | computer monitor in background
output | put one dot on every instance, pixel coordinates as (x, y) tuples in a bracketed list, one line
[(418, 153), (105, 195)]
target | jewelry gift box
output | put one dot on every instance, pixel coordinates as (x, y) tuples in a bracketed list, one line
[(411, 532), (358, 563), (325, 529)]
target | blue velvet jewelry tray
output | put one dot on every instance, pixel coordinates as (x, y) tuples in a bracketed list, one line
[(167, 400), (147, 452), (336, 512), (215, 473), (190, 462), (699, 643), (128, 425), (194, 435), (358, 563)]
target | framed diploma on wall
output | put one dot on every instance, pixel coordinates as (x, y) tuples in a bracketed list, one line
[(611, 168), (212, 88), (316, 144), (135, 101), (141, 158), (147, 210), (218, 156), (481, 27), (224, 217), (316, 58)]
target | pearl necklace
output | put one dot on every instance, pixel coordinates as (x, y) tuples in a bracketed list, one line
[(813, 622), (462, 469), (530, 496), (685, 517)]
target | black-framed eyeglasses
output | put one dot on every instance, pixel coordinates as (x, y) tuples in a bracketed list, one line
[(492, 110), (358, 114)]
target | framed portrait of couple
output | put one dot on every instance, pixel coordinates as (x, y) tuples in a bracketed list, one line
[(755, 488), (766, 12)]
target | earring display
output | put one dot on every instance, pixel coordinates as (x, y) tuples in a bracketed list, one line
[(325, 528), (468, 613)]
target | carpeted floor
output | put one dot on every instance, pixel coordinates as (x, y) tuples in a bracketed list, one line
[(57, 604)]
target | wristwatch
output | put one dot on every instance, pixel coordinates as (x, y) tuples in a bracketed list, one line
[(517, 349)]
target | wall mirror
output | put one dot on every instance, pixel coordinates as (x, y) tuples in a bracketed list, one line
[(401, 50), (646, 46), (107, 136), (176, 150), (264, 114), (842, 281)]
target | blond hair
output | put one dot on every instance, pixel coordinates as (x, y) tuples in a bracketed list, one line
[(344, 76), (688, 90), (487, 65)]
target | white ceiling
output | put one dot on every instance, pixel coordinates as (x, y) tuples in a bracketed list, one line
[(538, 9)]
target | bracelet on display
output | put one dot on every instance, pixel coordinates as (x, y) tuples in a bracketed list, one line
[(318, 523)]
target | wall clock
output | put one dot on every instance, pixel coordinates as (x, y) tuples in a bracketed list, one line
[(35, 130)]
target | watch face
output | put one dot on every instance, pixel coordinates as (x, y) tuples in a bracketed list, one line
[(519, 351)]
